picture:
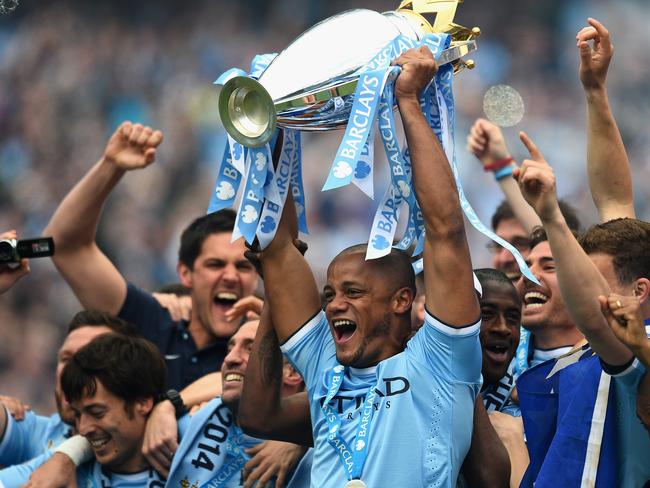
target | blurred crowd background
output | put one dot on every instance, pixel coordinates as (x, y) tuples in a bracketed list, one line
[(71, 71)]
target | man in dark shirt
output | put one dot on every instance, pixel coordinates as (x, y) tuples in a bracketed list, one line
[(212, 267)]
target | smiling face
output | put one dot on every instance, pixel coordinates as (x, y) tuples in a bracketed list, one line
[(74, 341), (545, 314), (220, 276), (114, 430), (500, 321), (362, 311), (235, 363)]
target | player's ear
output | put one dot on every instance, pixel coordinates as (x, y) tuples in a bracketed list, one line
[(642, 289), (185, 274), (402, 300)]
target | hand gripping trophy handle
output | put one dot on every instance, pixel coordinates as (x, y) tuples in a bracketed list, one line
[(311, 84)]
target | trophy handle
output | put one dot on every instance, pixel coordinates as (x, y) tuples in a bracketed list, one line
[(247, 111)]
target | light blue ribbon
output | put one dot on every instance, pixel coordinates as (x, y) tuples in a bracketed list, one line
[(444, 82), (298, 190), (521, 363), (353, 457), (362, 116), (272, 212), (236, 460), (227, 184)]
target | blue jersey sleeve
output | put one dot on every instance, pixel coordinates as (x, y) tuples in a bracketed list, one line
[(143, 310), (450, 352), (17, 475), (311, 349), (627, 382), (23, 440)]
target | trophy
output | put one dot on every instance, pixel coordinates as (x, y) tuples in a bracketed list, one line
[(310, 86)]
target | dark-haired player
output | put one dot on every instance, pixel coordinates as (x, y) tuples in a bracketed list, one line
[(209, 264)]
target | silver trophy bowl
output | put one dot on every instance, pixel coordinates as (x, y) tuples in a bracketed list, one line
[(310, 85)]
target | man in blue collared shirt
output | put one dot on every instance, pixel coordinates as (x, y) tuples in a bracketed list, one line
[(209, 264)]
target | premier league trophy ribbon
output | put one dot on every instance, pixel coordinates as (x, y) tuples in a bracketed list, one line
[(336, 75)]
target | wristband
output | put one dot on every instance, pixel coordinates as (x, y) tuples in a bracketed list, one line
[(175, 398), (77, 448), (504, 172), (498, 164)]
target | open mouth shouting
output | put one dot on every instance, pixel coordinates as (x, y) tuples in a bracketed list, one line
[(344, 330), (534, 300), (497, 352), (224, 300)]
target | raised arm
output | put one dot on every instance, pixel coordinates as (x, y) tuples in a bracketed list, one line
[(263, 412), (608, 167), (94, 279), (450, 294), (580, 281), (290, 287), (486, 142)]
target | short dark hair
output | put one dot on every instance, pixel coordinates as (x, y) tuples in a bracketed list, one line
[(131, 368), (95, 318), (504, 212), (627, 241), (396, 266), (199, 230), (484, 275)]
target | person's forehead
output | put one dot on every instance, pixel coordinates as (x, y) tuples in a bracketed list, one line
[(246, 332), (540, 251), (101, 397), (349, 267), (219, 246), (81, 336), (510, 228), (500, 294)]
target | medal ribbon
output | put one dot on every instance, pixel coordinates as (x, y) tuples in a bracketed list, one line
[(352, 459), (522, 354), (234, 452)]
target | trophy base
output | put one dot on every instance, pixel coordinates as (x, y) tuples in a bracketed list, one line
[(247, 111)]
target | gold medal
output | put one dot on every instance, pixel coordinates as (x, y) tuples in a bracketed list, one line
[(355, 484)]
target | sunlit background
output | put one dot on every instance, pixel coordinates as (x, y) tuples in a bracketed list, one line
[(70, 72)]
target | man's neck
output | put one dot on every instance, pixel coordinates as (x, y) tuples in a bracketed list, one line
[(136, 464), (557, 337), (202, 338)]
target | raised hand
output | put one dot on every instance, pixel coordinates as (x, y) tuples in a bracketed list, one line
[(16, 408), (418, 69), (623, 314), (537, 182), (594, 60), (249, 307), (10, 274), (133, 146), (486, 142), (161, 437)]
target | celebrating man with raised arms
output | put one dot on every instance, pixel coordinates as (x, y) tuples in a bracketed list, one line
[(383, 415)]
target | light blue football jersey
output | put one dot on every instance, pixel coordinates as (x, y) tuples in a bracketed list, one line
[(422, 424), (31, 437), (633, 439)]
